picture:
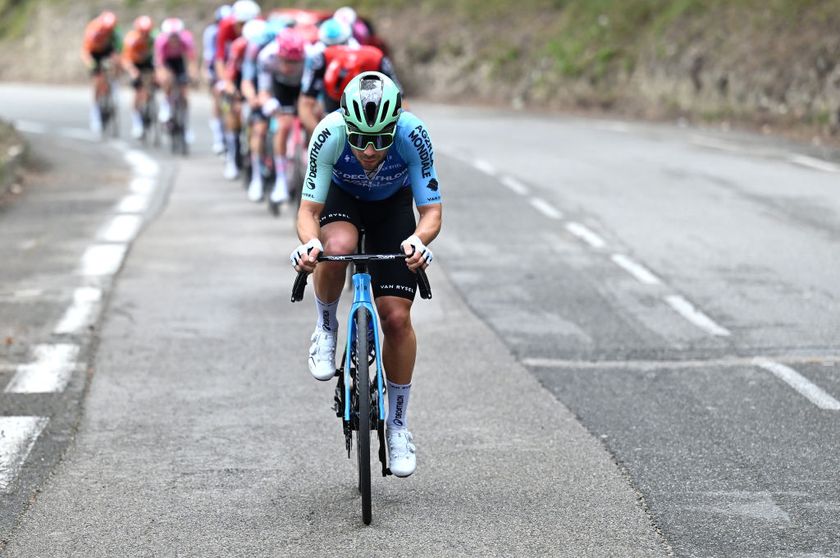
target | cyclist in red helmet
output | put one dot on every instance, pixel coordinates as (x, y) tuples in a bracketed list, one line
[(138, 60), (328, 73)]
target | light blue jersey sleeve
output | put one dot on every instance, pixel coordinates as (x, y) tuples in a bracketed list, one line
[(209, 43), (325, 148), (415, 147)]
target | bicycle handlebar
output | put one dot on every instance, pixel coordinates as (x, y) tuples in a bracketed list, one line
[(422, 279)]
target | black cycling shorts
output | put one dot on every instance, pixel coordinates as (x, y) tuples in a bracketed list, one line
[(179, 68), (98, 57), (386, 224), (287, 96), (144, 67)]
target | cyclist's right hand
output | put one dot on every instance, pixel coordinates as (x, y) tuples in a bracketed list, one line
[(305, 256)]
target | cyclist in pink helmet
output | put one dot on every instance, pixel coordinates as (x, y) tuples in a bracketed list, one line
[(280, 66)]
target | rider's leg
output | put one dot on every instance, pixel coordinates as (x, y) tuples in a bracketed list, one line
[(338, 237), (259, 127), (165, 81), (216, 126), (183, 84), (280, 193), (232, 131), (139, 99)]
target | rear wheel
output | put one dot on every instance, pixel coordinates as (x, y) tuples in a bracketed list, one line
[(362, 391)]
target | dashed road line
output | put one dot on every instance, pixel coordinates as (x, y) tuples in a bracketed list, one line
[(546, 208), (814, 163), (142, 185), (49, 373), (17, 437), (484, 167), (695, 316), (585, 234), (102, 259), (514, 185), (637, 270), (800, 383), (134, 203), (81, 313), (122, 228)]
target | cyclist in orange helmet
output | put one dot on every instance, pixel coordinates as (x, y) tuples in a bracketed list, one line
[(100, 49), (138, 60)]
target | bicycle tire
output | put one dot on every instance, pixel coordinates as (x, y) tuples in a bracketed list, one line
[(363, 400)]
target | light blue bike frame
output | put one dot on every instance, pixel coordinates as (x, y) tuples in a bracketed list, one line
[(362, 299)]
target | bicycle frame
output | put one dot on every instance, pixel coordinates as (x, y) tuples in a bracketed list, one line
[(362, 299)]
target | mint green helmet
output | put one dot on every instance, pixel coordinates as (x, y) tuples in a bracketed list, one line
[(372, 103)]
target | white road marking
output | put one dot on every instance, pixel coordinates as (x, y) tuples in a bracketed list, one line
[(142, 185), (516, 186), (122, 228), (81, 313), (637, 270), (27, 245), (103, 259), (484, 167), (586, 235), (546, 208), (712, 143), (134, 203), (142, 163), (53, 366), (636, 365), (29, 127), (695, 316), (17, 437), (27, 293), (813, 163), (800, 383)]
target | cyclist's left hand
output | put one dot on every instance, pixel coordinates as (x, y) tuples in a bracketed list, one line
[(420, 256), (304, 257)]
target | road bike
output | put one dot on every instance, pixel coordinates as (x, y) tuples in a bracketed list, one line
[(359, 403), (149, 110), (106, 102), (177, 125)]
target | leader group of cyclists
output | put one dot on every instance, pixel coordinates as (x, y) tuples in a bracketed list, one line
[(272, 75), (323, 76)]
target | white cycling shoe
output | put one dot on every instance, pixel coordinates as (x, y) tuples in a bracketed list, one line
[(231, 171), (280, 193), (255, 188), (402, 458), (322, 355)]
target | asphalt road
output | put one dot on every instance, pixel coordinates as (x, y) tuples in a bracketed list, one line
[(631, 352)]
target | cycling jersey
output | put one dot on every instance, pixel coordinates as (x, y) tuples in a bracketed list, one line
[(226, 34), (172, 50), (273, 68), (330, 70), (233, 66), (209, 47), (99, 40), (409, 163), (250, 64), (137, 48)]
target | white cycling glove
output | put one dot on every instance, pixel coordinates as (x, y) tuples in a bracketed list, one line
[(301, 251), (418, 246), (270, 107)]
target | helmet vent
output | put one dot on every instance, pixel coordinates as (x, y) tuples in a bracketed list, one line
[(356, 110), (385, 110), (370, 113)]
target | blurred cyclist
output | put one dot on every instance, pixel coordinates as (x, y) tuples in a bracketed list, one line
[(100, 46), (230, 28), (138, 60), (209, 67), (174, 58), (280, 71)]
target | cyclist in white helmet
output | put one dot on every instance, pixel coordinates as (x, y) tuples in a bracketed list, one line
[(230, 28)]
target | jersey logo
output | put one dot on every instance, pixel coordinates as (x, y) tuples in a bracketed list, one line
[(432, 185), (420, 139)]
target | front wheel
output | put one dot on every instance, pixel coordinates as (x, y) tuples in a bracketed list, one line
[(362, 392)]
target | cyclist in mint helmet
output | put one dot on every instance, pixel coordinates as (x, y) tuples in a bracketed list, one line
[(367, 163)]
